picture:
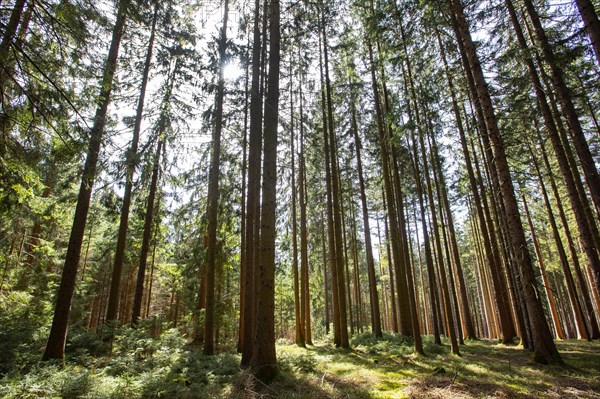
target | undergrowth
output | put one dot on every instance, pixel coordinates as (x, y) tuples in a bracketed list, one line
[(138, 364)]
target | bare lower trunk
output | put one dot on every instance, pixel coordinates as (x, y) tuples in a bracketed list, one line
[(58, 332), (543, 345)]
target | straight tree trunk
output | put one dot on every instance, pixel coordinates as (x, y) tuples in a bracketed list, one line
[(346, 269), (410, 283), (489, 249), (466, 311), (551, 304), (148, 220), (325, 278), (8, 38), (391, 266), (58, 333), (387, 322), (150, 213), (252, 200), (331, 237), (304, 281), (444, 282), (568, 108), (213, 194), (544, 348), (336, 198), (243, 262), (433, 299), (153, 264), (592, 24), (566, 315), (507, 274), (583, 290), (404, 300), (298, 314), (131, 159), (264, 361), (385, 148), (570, 179), (373, 295)]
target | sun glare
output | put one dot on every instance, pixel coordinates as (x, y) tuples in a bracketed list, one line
[(232, 71)]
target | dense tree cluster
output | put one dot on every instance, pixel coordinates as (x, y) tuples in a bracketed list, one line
[(248, 171)]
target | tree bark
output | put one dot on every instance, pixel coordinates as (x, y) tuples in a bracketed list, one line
[(298, 314), (304, 281), (213, 193), (336, 198), (148, 220), (592, 24), (551, 304), (373, 295), (58, 332), (252, 200), (264, 362), (568, 108), (544, 348), (560, 151), (131, 159)]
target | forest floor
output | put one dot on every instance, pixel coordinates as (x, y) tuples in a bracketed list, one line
[(484, 370), (143, 367)]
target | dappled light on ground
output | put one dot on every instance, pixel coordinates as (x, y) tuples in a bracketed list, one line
[(389, 369), (139, 366)]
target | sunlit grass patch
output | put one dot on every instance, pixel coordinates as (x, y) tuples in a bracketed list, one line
[(385, 368)]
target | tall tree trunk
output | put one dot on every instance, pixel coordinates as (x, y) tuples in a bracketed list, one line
[(373, 295), (444, 282), (391, 266), (325, 278), (252, 200), (385, 148), (346, 269), (148, 221), (543, 345), (331, 237), (213, 193), (401, 273), (298, 314), (560, 151), (304, 281), (384, 291), (131, 159), (583, 290), (264, 362), (489, 248), (433, 298), (551, 304), (592, 24), (58, 332), (566, 315), (336, 197), (243, 263), (149, 216), (8, 38), (152, 266), (568, 108), (410, 283), (493, 209), (466, 311)]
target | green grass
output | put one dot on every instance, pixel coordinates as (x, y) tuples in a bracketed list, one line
[(164, 367), (388, 369)]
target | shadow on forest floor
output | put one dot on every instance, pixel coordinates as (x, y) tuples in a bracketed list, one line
[(387, 368)]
